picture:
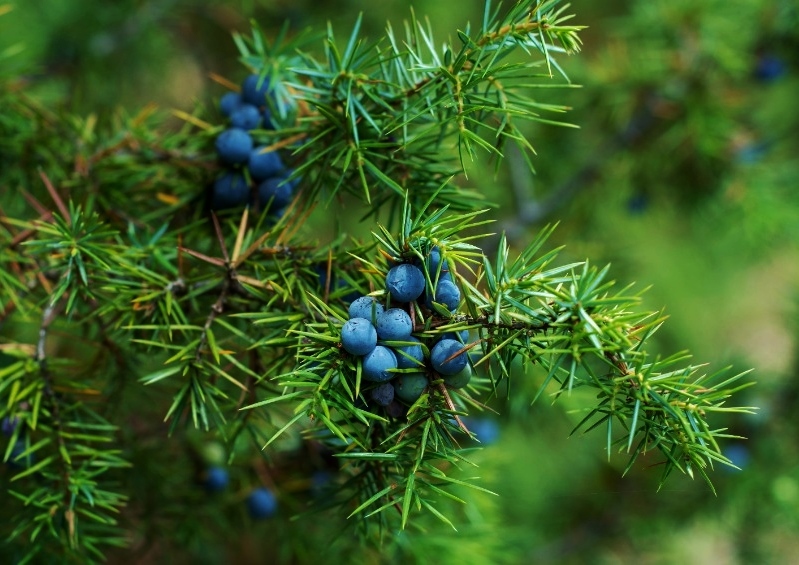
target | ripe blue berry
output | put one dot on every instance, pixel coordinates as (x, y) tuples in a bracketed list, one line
[(216, 479), (15, 459), (752, 152), (769, 68), (383, 394), (358, 336), (229, 102), (254, 90), (460, 379), (394, 325), (396, 409), (267, 122), (448, 294), (410, 356), (739, 455), (8, 425), (637, 203), (462, 336), (261, 503), (410, 386), (246, 117), (264, 164), (405, 282), (433, 263), (234, 146), (277, 190), (486, 430), (378, 364), (321, 482), (442, 351), (366, 307), (229, 191)]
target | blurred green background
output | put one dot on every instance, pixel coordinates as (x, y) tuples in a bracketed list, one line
[(682, 174)]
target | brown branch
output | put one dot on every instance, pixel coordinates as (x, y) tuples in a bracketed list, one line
[(59, 202), (485, 322), (217, 309), (49, 315)]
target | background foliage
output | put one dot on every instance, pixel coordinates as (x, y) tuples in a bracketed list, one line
[(681, 175)]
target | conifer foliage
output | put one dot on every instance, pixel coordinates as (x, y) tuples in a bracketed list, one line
[(149, 275)]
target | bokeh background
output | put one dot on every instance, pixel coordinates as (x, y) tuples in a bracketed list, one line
[(682, 174)]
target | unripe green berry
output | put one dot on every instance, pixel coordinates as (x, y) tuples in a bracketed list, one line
[(410, 386)]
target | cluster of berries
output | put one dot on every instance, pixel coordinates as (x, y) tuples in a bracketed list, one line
[(392, 358), (249, 165)]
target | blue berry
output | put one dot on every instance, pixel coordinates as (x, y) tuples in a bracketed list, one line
[(410, 356), (366, 307), (459, 379), (320, 482), (433, 262), (229, 191), (462, 336), (229, 102), (448, 294), (246, 117), (16, 451), (321, 272), (751, 153), (637, 204), (277, 190), (254, 90), (396, 409), (405, 282), (358, 336), (378, 364), (442, 351), (267, 122), (216, 479), (234, 146), (261, 503), (383, 394), (394, 325), (410, 386), (8, 425), (769, 68), (264, 164), (486, 430), (738, 454)]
